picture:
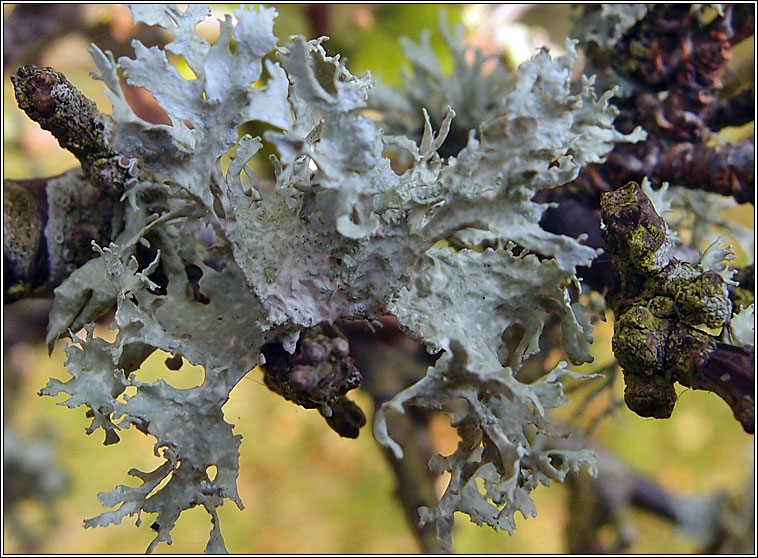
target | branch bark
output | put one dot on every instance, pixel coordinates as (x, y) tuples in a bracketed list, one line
[(50, 223), (659, 305), (599, 502), (675, 71)]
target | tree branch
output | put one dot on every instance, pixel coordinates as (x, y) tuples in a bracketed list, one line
[(728, 169), (733, 111), (48, 227), (598, 502), (390, 362), (676, 74), (29, 26), (50, 223), (659, 304), (48, 98)]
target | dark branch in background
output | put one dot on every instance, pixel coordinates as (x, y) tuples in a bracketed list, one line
[(390, 362), (723, 169), (320, 19), (733, 111), (597, 503), (30, 26), (743, 21), (674, 70), (658, 304)]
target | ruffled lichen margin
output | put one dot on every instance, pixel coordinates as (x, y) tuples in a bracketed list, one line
[(340, 235)]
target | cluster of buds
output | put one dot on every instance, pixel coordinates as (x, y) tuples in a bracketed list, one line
[(317, 376)]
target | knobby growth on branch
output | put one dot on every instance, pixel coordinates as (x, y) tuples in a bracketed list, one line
[(659, 303)]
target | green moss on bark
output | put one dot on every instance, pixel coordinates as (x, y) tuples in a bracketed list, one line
[(659, 305)]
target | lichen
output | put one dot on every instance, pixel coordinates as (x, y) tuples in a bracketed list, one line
[(78, 213), (659, 304), (703, 300), (639, 340), (212, 266), (22, 231), (638, 237), (649, 395)]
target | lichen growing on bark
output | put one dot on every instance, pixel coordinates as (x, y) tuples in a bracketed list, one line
[(451, 247), (660, 303)]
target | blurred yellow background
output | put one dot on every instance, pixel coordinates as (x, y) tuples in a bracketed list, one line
[(306, 490)]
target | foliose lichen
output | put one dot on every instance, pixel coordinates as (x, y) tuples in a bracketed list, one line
[(339, 235)]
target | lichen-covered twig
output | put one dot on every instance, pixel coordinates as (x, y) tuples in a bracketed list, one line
[(24, 257), (48, 227), (659, 304), (49, 99), (56, 105), (743, 292), (49, 223)]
